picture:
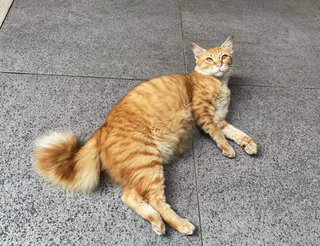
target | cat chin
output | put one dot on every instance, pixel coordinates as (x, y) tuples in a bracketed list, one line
[(218, 74), (212, 72)]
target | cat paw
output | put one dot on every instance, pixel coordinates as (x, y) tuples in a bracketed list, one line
[(159, 229), (249, 146), (185, 227), (228, 151)]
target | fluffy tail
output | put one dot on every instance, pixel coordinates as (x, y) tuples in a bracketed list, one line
[(58, 158)]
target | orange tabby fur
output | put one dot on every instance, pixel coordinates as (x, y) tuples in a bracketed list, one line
[(148, 127)]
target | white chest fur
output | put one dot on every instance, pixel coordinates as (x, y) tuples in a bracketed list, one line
[(222, 104)]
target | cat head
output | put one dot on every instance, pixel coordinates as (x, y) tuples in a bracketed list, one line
[(215, 61)]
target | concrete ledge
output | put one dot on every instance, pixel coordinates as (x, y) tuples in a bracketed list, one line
[(4, 8)]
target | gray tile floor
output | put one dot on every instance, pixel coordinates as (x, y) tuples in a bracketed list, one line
[(65, 64)]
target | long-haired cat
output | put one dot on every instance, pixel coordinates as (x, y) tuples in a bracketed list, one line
[(148, 127)]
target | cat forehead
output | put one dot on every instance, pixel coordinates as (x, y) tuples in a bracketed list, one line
[(216, 51)]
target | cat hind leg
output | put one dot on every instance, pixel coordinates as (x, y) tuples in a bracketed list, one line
[(146, 211), (155, 196)]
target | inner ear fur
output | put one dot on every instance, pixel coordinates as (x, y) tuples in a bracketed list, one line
[(197, 50), (228, 44)]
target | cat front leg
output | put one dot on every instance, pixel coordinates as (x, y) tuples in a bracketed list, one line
[(203, 115), (205, 120), (242, 139), (214, 131)]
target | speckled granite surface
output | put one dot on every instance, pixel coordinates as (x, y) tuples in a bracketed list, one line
[(93, 38), (91, 50)]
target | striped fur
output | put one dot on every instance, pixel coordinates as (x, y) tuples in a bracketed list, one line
[(149, 126)]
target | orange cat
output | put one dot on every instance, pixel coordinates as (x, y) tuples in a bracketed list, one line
[(148, 127)]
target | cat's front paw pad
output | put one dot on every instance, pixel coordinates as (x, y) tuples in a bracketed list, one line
[(249, 146), (228, 151), (185, 227)]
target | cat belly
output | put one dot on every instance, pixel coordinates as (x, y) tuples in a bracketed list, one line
[(173, 146), (176, 142)]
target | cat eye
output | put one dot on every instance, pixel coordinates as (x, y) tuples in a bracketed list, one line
[(224, 57), (209, 59)]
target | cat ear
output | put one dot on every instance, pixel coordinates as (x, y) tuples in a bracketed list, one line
[(197, 50), (228, 44)]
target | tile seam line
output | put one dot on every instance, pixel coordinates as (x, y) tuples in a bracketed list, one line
[(281, 87), (72, 76), (143, 79), (182, 37), (197, 191)]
